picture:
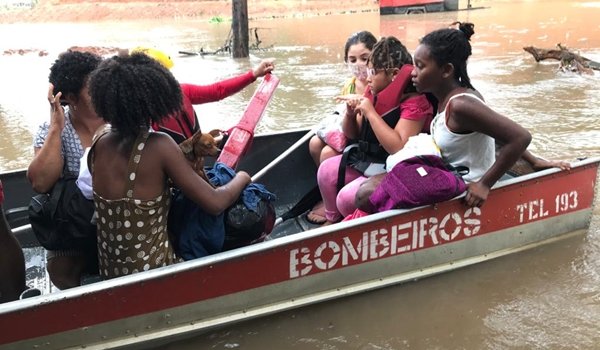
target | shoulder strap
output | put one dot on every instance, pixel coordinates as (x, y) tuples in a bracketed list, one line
[(341, 178), (134, 161), (90, 158)]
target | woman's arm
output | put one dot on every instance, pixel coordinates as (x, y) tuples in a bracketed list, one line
[(213, 200), (199, 94), (47, 165), (466, 114), (414, 112), (215, 92)]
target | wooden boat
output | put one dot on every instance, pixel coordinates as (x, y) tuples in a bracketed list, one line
[(301, 264)]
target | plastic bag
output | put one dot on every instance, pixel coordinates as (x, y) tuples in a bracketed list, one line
[(418, 145), (330, 129), (244, 226)]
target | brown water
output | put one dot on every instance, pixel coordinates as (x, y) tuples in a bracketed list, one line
[(547, 298)]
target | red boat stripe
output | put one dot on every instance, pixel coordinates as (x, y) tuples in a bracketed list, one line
[(536, 199)]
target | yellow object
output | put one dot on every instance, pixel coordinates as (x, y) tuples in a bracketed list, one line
[(158, 55)]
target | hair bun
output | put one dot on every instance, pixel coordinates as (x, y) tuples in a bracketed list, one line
[(467, 28)]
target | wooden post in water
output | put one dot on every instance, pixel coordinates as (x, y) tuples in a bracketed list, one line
[(239, 29)]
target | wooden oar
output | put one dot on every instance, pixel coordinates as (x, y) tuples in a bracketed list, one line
[(241, 135), (303, 140)]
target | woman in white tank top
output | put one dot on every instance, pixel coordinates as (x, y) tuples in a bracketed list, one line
[(466, 128)]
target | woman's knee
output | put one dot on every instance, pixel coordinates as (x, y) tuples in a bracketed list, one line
[(327, 152), (364, 192), (65, 271), (315, 147), (346, 197)]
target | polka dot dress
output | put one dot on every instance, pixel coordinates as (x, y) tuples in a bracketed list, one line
[(132, 233)]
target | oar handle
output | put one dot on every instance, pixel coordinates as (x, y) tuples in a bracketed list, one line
[(242, 134)]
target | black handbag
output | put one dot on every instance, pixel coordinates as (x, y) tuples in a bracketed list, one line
[(244, 226), (62, 218)]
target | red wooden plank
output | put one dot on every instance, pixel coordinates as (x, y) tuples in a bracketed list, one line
[(241, 135)]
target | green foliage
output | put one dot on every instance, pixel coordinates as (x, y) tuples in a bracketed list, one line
[(216, 19)]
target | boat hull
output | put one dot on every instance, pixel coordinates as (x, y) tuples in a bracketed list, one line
[(315, 265)]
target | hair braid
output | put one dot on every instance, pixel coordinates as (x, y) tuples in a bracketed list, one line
[(388, 53)]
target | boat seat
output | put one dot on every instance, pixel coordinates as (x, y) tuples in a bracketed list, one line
[(17, 216)]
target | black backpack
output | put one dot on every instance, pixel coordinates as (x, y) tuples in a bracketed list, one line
[(62, 218), (244, 226)]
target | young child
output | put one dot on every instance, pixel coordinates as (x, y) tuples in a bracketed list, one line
[(381, 121), (465, 129), (131, 166), (356, 53)]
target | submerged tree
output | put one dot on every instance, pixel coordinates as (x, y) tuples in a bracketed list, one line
[(239, 29), (569, 61)]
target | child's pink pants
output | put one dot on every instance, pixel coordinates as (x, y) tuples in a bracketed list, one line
[(338, 205)]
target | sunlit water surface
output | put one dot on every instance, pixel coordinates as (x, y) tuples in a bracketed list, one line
[(547, 298)]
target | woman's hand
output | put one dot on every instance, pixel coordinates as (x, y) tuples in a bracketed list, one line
[(264, 67), (349, 98), (244, 177), (57, 114), (477, 194), (365, 107), (352, 101)]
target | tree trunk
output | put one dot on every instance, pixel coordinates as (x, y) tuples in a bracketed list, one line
[(239, 29), (568, 59)]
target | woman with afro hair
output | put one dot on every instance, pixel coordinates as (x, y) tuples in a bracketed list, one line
[(131, 166), (58, 147)]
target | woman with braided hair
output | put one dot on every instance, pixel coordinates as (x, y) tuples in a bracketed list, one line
[(465, 129), (381, 121), (131, 166)]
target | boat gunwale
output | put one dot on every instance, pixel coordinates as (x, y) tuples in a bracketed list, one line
[(191, 265)]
